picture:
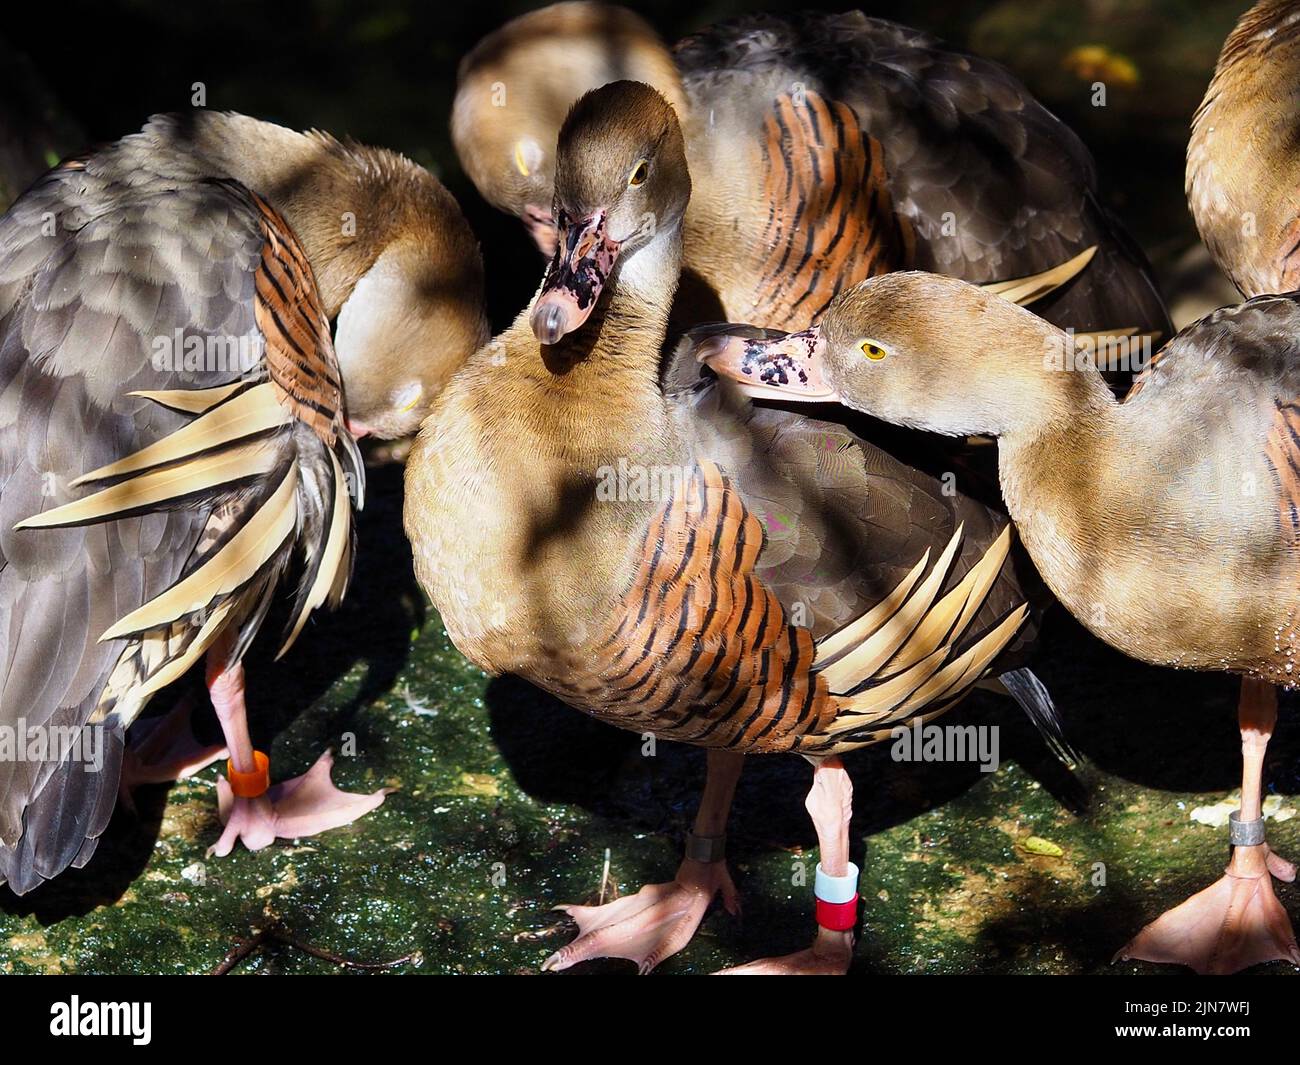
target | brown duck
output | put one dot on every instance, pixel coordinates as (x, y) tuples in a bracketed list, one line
[(1186, 554), (1241, 168), (684, 564), (825, 149), (175, 438)]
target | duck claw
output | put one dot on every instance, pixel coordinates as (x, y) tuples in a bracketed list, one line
[(164, 750), (830, 955), (1233, 924)]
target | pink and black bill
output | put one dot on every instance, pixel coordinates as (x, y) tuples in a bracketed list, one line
[(767, 364), (582, 264)]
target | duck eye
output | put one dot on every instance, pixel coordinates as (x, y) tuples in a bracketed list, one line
[(406, 399), (528, 156), (638, 175), (873, 351)]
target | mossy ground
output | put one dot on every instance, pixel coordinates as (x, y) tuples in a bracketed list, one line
[(507, 803)]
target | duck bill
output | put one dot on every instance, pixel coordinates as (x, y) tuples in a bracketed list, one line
[(581, 265), (786, 366), (540, 224)]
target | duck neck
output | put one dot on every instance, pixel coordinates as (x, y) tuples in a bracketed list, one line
[(605, 375), (1239, 154), (1054, 468), (310, 179)]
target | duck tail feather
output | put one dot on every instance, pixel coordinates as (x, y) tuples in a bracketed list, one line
[(1036, 701)]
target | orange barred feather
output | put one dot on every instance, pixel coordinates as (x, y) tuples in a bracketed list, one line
[(1283, 451), (831, 221), (291, 317), (699, 649)]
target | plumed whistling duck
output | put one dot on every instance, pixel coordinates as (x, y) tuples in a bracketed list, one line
[(1186, 554), (174, 438), (1241, 159), (517, 84), (683, 563), (825, 149)]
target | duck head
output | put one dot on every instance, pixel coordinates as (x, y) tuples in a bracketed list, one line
[(412, 315), (914, 349), (621, 185), (397, 266), (516, 86)]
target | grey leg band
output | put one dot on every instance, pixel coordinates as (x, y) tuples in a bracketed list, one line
[(705, 848), (1245, 833)]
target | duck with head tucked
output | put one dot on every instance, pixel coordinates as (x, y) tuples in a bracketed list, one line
[(177, 424), (683, 563), (825, 148), (1242, 182)]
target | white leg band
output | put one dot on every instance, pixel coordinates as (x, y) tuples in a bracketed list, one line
[(836, 889)]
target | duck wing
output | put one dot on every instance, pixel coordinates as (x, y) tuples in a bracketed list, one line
[(844, 522), (882, 148), (170, 436), (798, 591), (1235, 374)]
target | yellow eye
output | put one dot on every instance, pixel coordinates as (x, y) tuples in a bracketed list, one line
[(528, 156), (415, 390), (638, 175), (873, 351)]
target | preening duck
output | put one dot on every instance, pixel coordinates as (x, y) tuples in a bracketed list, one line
[(174, 437), (767, 582), (825, 149), (1241, 158)]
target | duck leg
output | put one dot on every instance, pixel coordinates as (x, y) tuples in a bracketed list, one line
[(164, 750), (660, 919), (250, 808), (1238, 921), (830, 803)]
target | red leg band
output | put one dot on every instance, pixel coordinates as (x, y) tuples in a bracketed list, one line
[(838, 916)]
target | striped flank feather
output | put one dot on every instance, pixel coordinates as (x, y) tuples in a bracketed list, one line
[(702, 651), (831, 221), (299, 351), (1283, 451)]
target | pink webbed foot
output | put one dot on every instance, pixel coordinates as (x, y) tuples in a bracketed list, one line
[(829, 955), (654, 924), (303, 806), (164, 750), (1233, 924)]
